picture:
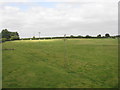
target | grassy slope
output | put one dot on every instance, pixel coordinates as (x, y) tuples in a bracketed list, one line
[(90, 63)]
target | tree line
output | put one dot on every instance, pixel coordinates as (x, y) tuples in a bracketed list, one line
[(72, 36), (9, 36)]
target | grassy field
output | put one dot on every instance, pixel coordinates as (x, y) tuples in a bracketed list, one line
[(86, 63)]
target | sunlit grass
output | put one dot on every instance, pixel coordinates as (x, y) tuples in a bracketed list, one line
[(90, 63), (42, 40)]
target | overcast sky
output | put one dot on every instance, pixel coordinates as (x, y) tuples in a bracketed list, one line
[(59, 17)]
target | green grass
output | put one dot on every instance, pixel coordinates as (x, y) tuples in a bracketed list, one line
[(89, 63)]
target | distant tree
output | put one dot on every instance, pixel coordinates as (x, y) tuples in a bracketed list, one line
[(33, 38), (87, 36), (79, 36), (72, 36), (118, 36), (107, 35), (98, 36)]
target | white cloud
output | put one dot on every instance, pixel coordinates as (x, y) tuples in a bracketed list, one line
[(70, 18)]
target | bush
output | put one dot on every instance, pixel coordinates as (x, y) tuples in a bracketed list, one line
[(14, 38)]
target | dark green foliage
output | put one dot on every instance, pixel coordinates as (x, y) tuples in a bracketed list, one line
[(72, 36), (99, 36), (79, 36), (14, 37), (107, 35), (7, 35), (33, 38), (87, 36), (118, 36)]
